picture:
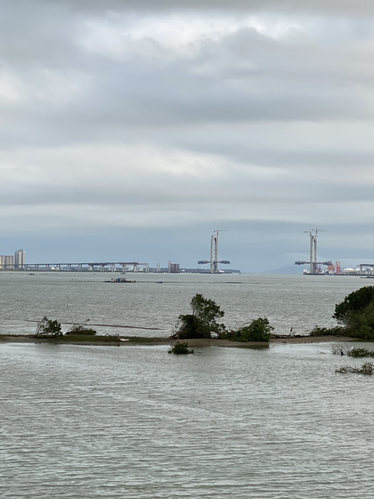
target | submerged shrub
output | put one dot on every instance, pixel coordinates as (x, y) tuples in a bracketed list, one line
[(360, 352), (180, 349), (366, 369)]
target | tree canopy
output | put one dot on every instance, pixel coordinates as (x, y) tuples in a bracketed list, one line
[(356, 313), (203, 320), (202, 323)]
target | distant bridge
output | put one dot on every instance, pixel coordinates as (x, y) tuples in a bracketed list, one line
[(79, 267)]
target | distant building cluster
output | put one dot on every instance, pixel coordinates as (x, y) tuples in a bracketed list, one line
[(13, 262)]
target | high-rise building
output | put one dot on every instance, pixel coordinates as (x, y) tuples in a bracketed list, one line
[(8, 262), (19, 259)]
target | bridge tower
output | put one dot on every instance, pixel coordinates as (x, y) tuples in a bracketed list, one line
[(214, 261)]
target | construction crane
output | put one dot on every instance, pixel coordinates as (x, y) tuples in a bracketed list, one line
[(214, 261)]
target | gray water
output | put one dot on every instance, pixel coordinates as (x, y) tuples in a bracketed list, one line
[(155, 300), (135, 422)]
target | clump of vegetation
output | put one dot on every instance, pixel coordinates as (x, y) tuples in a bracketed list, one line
[(51, 330), (80, 329), (356, 313), (47, 327), (360, 352), (355, 352), (258, 330), (202, 323), (180, 348), (366, 369), (325, 331)]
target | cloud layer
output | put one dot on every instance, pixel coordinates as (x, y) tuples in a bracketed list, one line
[(181, 117)]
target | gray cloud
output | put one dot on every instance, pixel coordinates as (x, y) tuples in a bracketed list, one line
[(335, 6), (185, 117)]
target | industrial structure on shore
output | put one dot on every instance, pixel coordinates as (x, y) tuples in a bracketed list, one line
[(316, 267)]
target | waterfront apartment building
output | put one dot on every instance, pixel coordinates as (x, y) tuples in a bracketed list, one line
[(13, 262), (19, 259)]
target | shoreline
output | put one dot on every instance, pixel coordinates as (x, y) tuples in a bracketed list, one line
[(192, 342)]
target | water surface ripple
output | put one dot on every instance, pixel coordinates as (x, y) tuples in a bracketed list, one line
[(155, 300), (135, 422)]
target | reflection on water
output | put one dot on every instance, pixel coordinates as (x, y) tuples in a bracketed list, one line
[(135, 422)]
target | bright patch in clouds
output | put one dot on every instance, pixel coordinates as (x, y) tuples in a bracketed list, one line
[(121, 37)]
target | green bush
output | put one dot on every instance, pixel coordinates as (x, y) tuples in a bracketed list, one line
[(357, 301), (325, 331), (258, 330), (79, 329)]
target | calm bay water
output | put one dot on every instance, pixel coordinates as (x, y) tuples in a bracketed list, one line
[(156, 300), (135, 422)]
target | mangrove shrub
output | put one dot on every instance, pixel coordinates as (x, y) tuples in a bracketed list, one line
[(81, 330), (180, 349), (203, 320), (356, 313), (49, 327), (258, 330), (366, 369)]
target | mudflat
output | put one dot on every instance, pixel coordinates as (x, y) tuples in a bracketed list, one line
[(192, 342)]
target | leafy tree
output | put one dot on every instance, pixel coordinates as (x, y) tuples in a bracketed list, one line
[(356, 301), (356, 313), (49, 327), (205, 309), (203, 320)]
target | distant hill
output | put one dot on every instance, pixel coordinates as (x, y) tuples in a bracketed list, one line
[(287, 269)]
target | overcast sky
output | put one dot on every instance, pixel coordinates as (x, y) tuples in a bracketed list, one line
[(131, 129)]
